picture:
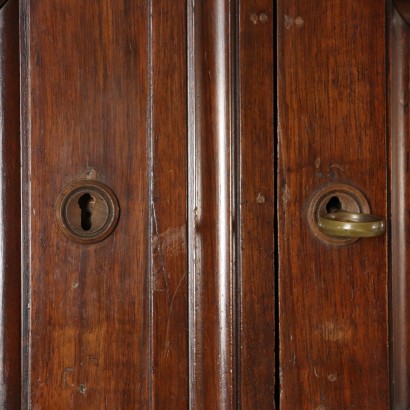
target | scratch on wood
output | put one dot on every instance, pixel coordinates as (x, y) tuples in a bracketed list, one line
[(161, 278), (170, 307), (67, 372), (172, 242), (285, 196)]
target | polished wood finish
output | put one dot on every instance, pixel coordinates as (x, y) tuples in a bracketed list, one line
[(86, 114), (169, 203), (210, 208), (10, 309), (256, 205), (230, 87), (332, 128), (213, 122), (400, 202)]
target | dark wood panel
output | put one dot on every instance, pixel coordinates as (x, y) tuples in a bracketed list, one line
[(210, 207), (10, 275), (169, 142), (403, 7), (400, 202), (256, 205), (86, 115), (332, 128)]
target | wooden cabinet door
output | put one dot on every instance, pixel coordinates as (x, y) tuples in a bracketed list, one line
[(333, 299), (214, 123)]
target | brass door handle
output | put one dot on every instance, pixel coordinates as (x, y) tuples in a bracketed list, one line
[(351, 225)]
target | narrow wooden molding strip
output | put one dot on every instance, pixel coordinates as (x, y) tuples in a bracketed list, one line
[(24, 16), (10, 273), (400, 203), (168, 205), (255, 179), (209, 205)]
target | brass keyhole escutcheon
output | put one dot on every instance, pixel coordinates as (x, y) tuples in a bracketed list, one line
[(87, 211), (333, 198)]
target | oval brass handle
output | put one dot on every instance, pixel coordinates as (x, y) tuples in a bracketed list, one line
[(351, 225)]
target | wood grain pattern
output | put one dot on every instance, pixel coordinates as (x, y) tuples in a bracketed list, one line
[(173, 106), (210, 208), (169, 227), (332, 128), (400, 202), (10, 282), (86, 114), (256, 205)]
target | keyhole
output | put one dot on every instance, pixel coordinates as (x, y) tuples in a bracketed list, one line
[(86, 203), (334, 204)]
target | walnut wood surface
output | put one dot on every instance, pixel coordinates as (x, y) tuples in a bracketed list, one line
[(10, 305), (400, 202), (105, 96), (256, 205), (210, 206), (169, 202), (332, 128), (173, 106), (87, 113)]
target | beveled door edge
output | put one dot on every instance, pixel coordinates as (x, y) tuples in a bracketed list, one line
[(399, 305), (25, 159)]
